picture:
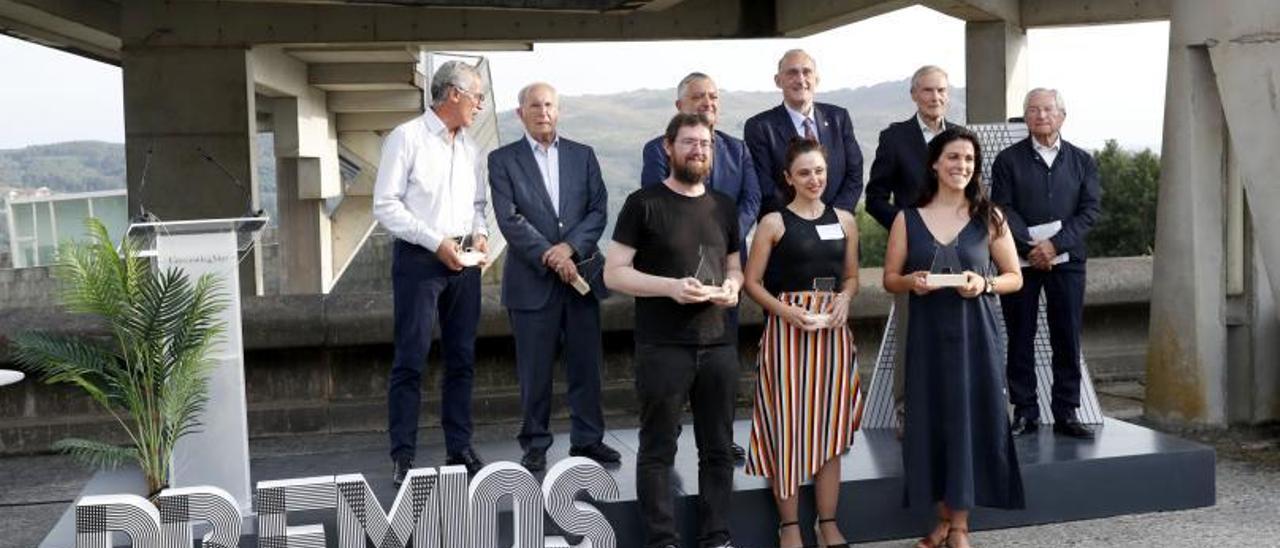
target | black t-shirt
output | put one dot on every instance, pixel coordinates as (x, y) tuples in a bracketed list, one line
[(678, 236)]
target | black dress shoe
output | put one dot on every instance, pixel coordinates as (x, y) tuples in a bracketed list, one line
[(1023, 426), (1072, 428), (400, 469), (535, 459), (739, 454), (468, 458), (598, 452)]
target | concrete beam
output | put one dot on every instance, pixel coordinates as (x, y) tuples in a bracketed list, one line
[(795, 19), (87, 28), (159, 23), (1052, 13), (1009, 11), (365, 76), (375, 101), (307, 265), (996, 67), (374, 121)]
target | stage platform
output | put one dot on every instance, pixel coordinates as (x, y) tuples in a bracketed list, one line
[(1128, 469)]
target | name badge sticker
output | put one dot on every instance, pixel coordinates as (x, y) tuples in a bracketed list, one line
[(830, 232)]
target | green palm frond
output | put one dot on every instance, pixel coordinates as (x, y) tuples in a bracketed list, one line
[(153, 377), (95, 453)]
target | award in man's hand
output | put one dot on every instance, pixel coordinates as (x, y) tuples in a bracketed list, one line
[(709, 272), (945, 270)]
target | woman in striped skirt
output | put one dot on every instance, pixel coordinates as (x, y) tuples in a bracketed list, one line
[(803, 270)]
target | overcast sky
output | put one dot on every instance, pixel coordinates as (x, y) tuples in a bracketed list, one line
[(1113, 77)]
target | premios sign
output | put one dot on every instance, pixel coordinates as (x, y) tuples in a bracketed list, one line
[(435, 508)]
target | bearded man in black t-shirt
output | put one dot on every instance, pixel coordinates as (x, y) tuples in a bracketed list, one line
[(675, 248)]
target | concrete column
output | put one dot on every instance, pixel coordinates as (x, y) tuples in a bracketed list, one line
[(1214, 357), (995, 63), (306, 263), (190, 137)]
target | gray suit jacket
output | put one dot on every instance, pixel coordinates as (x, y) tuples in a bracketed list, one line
[(530, 224)]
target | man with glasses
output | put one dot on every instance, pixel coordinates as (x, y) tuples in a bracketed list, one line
[(1050, 194), (799, 116), (551, 205), (427, 195), (733, 173), (675, 248)]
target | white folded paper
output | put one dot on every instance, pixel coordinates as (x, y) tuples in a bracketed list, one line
[(1044, 232)]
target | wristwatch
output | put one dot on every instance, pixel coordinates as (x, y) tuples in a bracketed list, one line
[(990, 288)]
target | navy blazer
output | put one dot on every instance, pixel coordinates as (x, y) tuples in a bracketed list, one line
[(1032, 193), (768, 134), (898, 169), (733, 173), (530, 224)]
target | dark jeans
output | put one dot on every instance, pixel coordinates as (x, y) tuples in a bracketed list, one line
[(1064, 311), (666, 377), (424, 292)]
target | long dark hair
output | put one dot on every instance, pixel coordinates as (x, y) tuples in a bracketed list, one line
[(798, 147), (975, 192)]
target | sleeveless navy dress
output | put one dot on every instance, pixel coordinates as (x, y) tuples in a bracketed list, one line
[(957, 446)]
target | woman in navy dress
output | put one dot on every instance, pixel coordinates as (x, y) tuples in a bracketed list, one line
[(957, 449)]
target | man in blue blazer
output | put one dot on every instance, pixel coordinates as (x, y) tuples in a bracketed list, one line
[(1044, 180), (768, 133), (897, 177), (551, 205), (733, 172)]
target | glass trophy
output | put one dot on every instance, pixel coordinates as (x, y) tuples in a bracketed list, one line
[(825, 287), (945, 270), (709, 272)]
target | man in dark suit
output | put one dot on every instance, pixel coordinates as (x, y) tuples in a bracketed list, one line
[(550, 202), (733, 173), (768, 133), (898, 175), (1050, 193)]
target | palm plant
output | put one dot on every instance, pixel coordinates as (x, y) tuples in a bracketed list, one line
[(151, 374)]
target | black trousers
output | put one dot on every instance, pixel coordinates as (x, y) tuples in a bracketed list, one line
[(426, 292), (667, 376), (1064, 302)]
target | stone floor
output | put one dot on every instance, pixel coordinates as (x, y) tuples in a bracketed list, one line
[(34, 491)]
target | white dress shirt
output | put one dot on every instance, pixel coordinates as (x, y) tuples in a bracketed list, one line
[(549, 165), (427, 187), (929, 133), (1047, 152), (798, 119)]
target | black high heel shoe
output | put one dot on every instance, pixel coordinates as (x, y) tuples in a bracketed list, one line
[(822, 540)]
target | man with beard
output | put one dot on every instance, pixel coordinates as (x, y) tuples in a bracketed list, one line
[(675, 248), (733, 173), (770, 132), (899, 171)]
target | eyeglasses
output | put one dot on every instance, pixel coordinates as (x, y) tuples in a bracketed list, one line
[(477, 97), (695, 143)]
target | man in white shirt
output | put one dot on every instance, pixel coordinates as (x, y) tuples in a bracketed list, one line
[(428, 195)]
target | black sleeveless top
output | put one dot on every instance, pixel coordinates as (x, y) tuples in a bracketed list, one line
[(801, 255)]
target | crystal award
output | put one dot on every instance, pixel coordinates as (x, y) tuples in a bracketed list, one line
[(945, 270)]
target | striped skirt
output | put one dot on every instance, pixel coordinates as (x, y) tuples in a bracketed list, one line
[(808, 398)]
